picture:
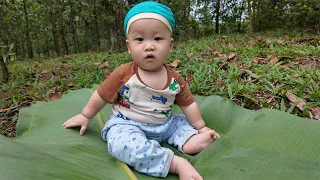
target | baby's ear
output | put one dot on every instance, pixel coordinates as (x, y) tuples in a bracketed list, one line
[(171, 44), (127, 43)]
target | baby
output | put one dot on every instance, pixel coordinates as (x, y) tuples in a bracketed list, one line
[(142, 93)]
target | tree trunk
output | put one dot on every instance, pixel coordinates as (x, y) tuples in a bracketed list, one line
[(250, 17), (254, 14), (217, 16), (258, 15), (87, 34), (63, 39), (186, 11), (47, 46), (119, 31), (30, 51), (38, 48), (54, 30), (4, 70), (73, 28), (240, 16), (23, 50), (96, 25)]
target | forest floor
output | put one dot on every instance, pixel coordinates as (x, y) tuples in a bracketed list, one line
[(273, 70)]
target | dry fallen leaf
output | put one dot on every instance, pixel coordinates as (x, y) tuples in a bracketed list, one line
[(293, 98), (71, 85), (71, 67), (281, 42), (217, 54), (189, 78), (260, 60), (224, 37), (175, 63), (269, 43), (251, 43), (96, 63), (105, 64), (229, 45), (314, 112), (231, 56), (189, 54), (273, 59), (55, 95), (251, 74), (107, 73), (45, 71)]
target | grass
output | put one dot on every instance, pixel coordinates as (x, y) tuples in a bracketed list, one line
[(204, 63)]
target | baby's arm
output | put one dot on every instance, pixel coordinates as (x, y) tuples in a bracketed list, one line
[(199, 142), (94, 105), (193, 115)]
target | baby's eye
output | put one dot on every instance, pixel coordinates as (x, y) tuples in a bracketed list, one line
[(139, 39), (158, 38)]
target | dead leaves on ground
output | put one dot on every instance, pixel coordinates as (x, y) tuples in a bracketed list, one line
[(103, 65), (175, 63), (314, 112), (55, 95)]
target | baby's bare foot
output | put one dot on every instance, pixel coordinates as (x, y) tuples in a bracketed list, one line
[(184, 169), (198, 142)]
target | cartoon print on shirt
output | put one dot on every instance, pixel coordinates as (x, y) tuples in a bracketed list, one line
[(174, 86), (161, 98), (166, 113), (125, 93), (123, 103), (120, 115)]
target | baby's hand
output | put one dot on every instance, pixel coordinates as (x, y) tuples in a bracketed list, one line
[(205, 129), (78, 120)]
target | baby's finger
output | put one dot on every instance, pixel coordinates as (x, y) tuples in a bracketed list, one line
[(83, 129), (216, 135), (70, 123), (67, 122)]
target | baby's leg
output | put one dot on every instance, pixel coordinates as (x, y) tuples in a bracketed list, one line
[(198, 142), (184, 169), (187, 138), (129, 144)]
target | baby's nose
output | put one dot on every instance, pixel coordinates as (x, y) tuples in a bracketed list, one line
[(149, 46)]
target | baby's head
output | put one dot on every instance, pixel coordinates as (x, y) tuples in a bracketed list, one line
[(149, 10), (148, 27)]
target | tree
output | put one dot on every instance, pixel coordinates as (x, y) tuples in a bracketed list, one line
[(30, 51), (4, 54), (54, 30), (95, 15), (250, 17), (217, 15), (63, 39), (73, 26)]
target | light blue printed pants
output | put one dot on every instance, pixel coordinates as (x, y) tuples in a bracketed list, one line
[(138, 145)]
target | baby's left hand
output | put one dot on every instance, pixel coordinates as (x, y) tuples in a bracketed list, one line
[(205, 129)]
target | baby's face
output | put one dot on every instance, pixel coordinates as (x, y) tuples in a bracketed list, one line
[(149, 43)]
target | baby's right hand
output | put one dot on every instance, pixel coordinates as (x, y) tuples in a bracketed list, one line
[(78, 120)]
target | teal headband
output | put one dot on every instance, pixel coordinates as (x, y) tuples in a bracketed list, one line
[(149, 9)]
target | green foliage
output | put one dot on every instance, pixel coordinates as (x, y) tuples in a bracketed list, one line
[(5, 51), (264, 144), (36, 80)]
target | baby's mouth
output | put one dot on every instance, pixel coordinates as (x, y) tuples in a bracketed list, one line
[(150, 56)]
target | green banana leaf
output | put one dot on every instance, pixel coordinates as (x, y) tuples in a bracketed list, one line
[(264, 144)]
